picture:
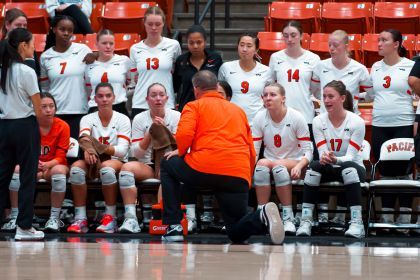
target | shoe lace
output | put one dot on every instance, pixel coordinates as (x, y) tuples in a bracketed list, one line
[(106, 219)]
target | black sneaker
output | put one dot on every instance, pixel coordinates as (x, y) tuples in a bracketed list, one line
[(174, 233), (270, 216)]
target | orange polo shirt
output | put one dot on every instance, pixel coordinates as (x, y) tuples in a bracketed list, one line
[(219, 136), (55, 144)]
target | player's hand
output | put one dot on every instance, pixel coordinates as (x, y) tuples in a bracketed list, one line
[(295, 173), (91, 57), (159, 120), (90, 158), (170, 154)]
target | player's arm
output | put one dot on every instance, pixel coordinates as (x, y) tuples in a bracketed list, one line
[(123, 140), (257, 134), (43, 78), (320, 139), (366, 87), (304, 140), (63, 144), (414, 78), (315, 86)]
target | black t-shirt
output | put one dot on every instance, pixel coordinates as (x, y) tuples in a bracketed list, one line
[(184, 71), (415, 71)]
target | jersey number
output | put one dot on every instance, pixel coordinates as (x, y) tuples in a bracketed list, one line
[(104, 78), (293, 75), (387, 82), (63, 67), (152, 63), (336, 144), (244, 87), (104, 140), (277, 141)]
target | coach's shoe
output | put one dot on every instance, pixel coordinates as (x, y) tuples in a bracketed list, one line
[(289, 227), (79, 226), (130, 225), (356, 229), (10, 225), (53, 225), (270, 216), (28, 234), (108, 224), (174, 233), (305, 228)]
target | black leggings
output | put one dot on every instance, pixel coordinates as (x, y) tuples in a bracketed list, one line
[(330, 173), (19, 144), (82, 22), (394, 168)]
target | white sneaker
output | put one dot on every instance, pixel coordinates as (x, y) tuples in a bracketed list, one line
[(403, 219), (289, 227), (28, 234), (305, 228), (341, 224), (10, 225), (356, 229), (270, 216), (53, 225), (323, 218), (192, 224), (108, 224), (130, 225)]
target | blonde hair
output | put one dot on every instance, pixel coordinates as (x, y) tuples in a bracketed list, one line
[(155, 10)]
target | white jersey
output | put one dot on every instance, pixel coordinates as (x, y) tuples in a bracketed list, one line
[(62, 75), (393, 99), (21, 85), (154, 65), (116, 71), (295, 74), (345, 141), (141, 125), (288, 139), (116, 134), (355, 77), (247, 87)]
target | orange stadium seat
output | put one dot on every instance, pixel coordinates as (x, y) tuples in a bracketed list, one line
[(356, 18), (271, 42), (402, 16), (36, 13), (123, 42), (123, 17), (308, 13), (78, 38), (319, 45), (166, 5), (95, 16), (39, 41), (370, 47)]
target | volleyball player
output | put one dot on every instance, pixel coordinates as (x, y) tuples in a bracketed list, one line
[(142, 149), (19, 131), (339, 134), (393, 113), (109, 68), (112, 129), (154, 58), (283, 130), (62, 73), (246, 76)]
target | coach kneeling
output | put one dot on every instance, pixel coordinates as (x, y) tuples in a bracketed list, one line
[(222, 158)]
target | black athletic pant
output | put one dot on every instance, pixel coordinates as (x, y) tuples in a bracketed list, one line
[(394, 168), (330, 173), (82, 22), (231, 194), (19, 144)]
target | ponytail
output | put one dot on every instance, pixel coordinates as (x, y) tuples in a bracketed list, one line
[(348, 103), (9, 52)]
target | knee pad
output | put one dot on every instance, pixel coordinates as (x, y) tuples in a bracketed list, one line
[(77, 176), (58, 183), (127, 180), (15, 182), (350, 176), (312, 178), (262, 176), (107, 175), (281, 176)]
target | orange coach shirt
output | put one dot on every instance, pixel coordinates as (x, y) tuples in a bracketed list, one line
[(55, 144), (219, 136)]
